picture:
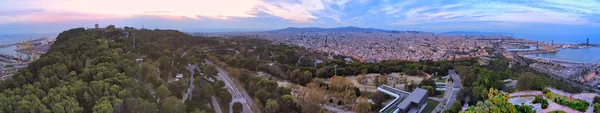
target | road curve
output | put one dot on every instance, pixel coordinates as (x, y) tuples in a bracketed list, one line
[(236, 93)]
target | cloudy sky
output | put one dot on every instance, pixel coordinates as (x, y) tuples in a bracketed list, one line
[(570, 17)]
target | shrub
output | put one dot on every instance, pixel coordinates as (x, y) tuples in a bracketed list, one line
[(540, 99), (597, 99), (596, 106), (549, 95), (576, 104), (524, 108)]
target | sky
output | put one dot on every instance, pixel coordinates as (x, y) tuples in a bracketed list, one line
[(526, 17)]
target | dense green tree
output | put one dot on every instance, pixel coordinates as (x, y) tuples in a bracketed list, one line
[(496, 103), (455, 108), (237, 107), (202, 111), (171, 105), (271, 106), (162, 92), (209, 70), (103, 107), (145, 107), (362, 106), (430, 90)]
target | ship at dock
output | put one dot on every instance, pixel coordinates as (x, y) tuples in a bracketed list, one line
[(23, 52)]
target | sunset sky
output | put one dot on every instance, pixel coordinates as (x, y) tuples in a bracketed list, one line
[(579, 17)]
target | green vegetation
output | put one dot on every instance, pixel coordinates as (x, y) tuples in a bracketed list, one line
[(362, 105), (265, 92), (524, 109), (103, 71), (576, 104), (557, 111), (391, 111), (596, 107), (442, 80), (378, 99), (540, 99), (430, 90), (455, 108), (440, 95), (431, 104), (429, 85), (496, 103), (478, 79), (237, 107), (596, 103)]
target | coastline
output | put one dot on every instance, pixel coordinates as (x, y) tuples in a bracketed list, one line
[(556, 60), (567, 51)]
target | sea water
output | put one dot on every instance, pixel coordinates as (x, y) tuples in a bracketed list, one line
[(584, 55), (15, 38)]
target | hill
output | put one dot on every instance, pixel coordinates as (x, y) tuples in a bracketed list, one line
[(104, 71)]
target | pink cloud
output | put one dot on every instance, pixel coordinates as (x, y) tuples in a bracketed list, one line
[(67, 10)]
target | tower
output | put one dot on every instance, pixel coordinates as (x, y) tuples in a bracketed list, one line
[(537, 45), (587, 42), (96, 26), (552, 42)]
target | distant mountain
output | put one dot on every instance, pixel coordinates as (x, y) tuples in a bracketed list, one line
[(475, 33), (339, 29), (220, 30)]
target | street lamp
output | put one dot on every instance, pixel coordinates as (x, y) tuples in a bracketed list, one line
[(335, 69)]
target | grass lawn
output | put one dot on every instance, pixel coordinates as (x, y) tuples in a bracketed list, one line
[(441, 80), (390, 110), (441, 95), (557, 111), (431, 104), (367, 94)]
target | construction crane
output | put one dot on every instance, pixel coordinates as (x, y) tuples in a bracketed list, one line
[(27, 48)]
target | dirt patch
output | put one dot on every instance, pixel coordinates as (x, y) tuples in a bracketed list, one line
[(280, 82), (396, 80)]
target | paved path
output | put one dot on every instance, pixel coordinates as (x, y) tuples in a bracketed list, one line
[(522, 93), (335, 109), (236, 93), (216, 106), (188, 95), (450, 93), (582, 96)]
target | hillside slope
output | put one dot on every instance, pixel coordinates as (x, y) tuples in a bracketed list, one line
[(101, 71)]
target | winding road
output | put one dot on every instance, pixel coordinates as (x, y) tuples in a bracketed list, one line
[(237, 94), (456, 85)]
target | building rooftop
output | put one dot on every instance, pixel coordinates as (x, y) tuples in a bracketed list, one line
[(416, 97)]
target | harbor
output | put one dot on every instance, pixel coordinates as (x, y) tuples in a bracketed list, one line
[(14, 56)]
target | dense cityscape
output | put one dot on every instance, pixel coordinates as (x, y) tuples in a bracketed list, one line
[(379, 46), (299, 56)]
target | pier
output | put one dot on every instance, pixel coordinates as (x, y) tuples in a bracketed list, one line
[(28, 48), (15, 44)]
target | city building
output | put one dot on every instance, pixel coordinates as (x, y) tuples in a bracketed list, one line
[(405, 102), (415, 102)]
